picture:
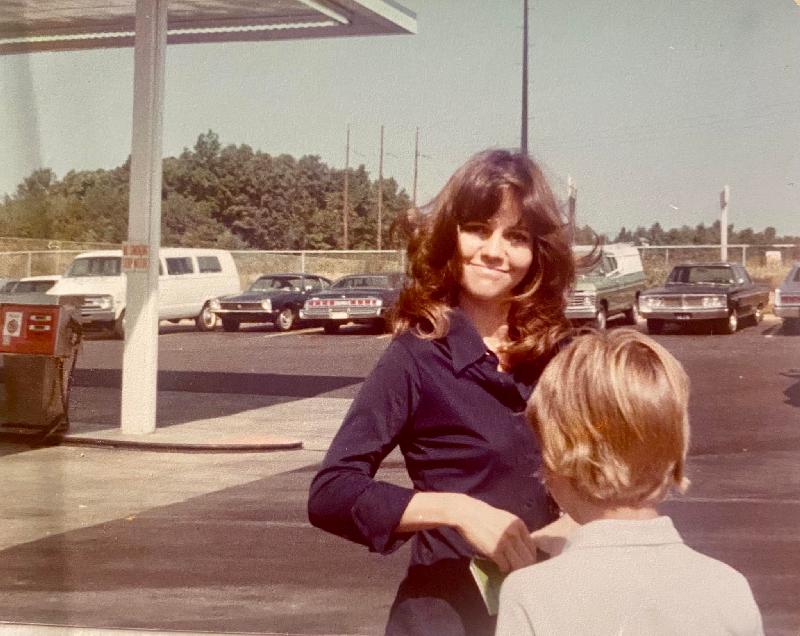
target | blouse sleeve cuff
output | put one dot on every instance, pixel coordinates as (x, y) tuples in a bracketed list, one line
[(376, 513)]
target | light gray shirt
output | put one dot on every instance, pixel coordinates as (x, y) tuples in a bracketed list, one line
[(628, 578)]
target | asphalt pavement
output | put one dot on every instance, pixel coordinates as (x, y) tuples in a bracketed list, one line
[(200, 527)]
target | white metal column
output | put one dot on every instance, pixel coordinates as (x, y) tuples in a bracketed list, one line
[(140, 358)]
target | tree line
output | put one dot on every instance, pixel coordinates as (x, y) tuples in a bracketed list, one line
[(700, 234), (230, 197), (233, 197)]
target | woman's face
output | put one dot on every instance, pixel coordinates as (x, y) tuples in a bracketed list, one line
[(496, 254)]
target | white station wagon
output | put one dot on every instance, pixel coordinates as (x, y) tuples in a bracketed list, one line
[(189, 278)]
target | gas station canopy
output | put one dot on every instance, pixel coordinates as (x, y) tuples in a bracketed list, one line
[(28, 26)]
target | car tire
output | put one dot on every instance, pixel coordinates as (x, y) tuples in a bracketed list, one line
[(230, 324), (206, 320), (118, 329), (601, 318), (655, 326), (331, 327), (632, 314), (286, 319), (730, 324)]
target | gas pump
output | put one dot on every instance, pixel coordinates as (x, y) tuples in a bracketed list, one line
[(39, 345)]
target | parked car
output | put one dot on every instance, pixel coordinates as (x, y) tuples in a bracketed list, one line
[(787, 298), (274, 298), (612, 287), (7, 284), (718, 294), (35, 284), (360, 298), (188, 279)]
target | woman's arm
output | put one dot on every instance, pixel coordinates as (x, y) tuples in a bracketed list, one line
[(345, 498), (494, 533)]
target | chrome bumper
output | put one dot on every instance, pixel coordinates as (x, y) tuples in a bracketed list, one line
[(678, 314), (786, 311)]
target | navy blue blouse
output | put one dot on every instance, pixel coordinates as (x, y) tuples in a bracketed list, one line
[(460, 425)]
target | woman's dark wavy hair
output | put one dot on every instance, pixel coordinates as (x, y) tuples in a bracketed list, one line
[(474, 193)]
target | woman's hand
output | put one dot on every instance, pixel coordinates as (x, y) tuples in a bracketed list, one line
[(552, 538), (494, 533)]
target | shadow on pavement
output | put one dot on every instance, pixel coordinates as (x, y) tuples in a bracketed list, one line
[(187, 396), (298, 386), (240, 559), (793, 392)]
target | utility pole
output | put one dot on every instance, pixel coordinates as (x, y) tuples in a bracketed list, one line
[(380, 194), (416, 162), (724, 198), (524, 131), (572, 198), (346, 206)]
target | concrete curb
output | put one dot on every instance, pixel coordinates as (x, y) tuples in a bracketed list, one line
[(119, 442), (176, 443)]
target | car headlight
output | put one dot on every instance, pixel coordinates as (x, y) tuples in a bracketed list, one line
[(379, 302), (651, 302), (266, 305), (214, 305), (714, 301), (105, 302)]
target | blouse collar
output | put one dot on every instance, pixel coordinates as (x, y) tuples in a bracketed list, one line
[(463, 340)]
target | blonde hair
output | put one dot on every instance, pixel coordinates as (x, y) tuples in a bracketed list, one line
[(611, 413)]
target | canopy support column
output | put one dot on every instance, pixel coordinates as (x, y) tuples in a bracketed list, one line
[(140, 358)]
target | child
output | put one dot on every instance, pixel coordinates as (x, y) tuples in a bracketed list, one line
[(610, 412)]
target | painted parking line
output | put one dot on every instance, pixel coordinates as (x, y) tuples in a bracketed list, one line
[(278, 334)]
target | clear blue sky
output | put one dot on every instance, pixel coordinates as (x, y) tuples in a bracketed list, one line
[(650, 106)]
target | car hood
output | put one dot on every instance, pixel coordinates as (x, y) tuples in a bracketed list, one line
[(355, 293), (88, 285), (667, 290), (253, 296), (584, 285)]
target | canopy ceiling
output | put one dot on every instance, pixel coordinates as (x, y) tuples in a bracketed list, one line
[(28, 26)]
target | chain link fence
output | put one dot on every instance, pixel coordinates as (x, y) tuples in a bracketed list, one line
[(766, 263)]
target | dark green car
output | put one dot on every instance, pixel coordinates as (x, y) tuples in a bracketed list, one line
[(611, 288)]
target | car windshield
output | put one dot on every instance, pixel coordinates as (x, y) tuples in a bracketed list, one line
[(9, 286), (351, 282), (268, 283), (27, 286), (95, 266), (701, 275)]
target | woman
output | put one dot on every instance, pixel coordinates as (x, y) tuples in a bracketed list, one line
[(482, 314)]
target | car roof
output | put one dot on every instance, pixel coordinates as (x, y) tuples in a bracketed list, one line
[(713, 264), (372, 274), (163, 251), (288, 274)]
